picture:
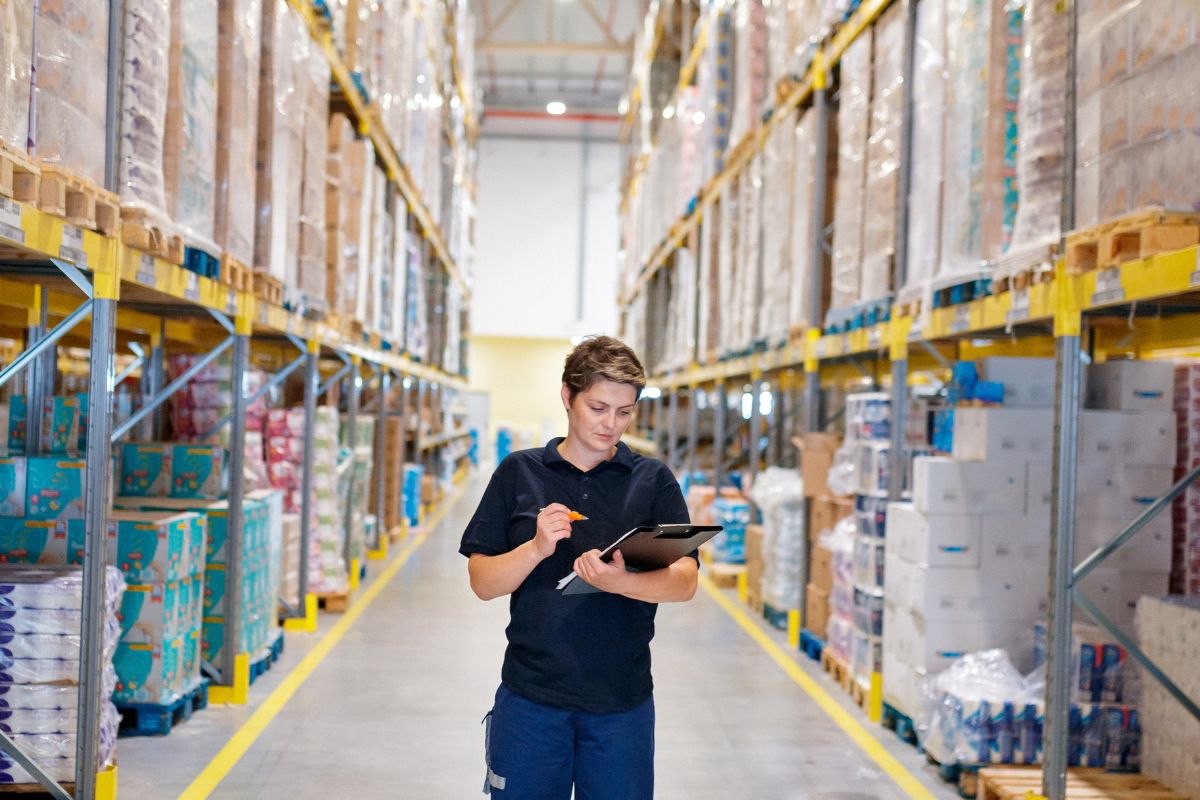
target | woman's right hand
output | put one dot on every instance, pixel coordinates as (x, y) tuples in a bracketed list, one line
[(553, 525)]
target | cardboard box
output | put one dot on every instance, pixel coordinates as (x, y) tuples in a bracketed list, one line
[(935, 540), (1116, 592), (150, 546), (49, 542), (1120, 492), (1131, 386), (148, 672), (199, 471), (1129, 437), (820, 568), (12, 487), (54, 488), (942, 485), (1148, 551), (60, 424), (994, 434), (816, 609), (154, 612), (145, 470), (1028, 382), (816, 458)]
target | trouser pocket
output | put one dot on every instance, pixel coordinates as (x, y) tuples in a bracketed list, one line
[(490, 779)]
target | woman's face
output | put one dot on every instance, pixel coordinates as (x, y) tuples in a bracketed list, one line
[(599, 417)]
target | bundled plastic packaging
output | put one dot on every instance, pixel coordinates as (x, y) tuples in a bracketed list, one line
[(727, 250), (747, 286), (709, 312), (43, 610), (840, 630), (416, 332), (928, 150), (383, 258), (733, 514), (16, 50), (190, 134), (681, 316), (779, 495), (883, 156), (239, 28), (143, 103), (1137, 140), (314, 88), (66, 123), (854, 121), (983, 46)]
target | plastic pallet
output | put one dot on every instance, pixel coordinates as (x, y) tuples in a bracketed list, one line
[(811, 644), (152, 719), (202, 263), (775, 617), (962, 292), (901, 723)]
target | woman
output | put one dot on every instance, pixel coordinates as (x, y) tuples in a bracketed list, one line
[(575, 706)]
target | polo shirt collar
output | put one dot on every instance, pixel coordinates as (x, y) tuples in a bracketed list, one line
[(623, 457)]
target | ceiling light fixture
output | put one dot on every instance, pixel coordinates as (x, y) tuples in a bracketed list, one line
[(556, 108)]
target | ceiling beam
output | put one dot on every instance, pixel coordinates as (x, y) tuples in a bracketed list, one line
[(605, 27), (552, 49), (505, 13)]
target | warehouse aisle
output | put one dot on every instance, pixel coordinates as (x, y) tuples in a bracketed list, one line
[(394, 708)]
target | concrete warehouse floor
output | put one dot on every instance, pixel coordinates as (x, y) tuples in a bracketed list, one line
[(394, 707)]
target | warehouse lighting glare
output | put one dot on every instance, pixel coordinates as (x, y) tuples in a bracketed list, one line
[(623, 106), (766, 403), (698, 118), (747, 405), (556, 108), (668, 112), (651, 393)]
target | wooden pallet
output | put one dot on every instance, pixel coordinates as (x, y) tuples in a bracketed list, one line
[(78, 201), (1138, 235), (1017, 783), (33, 788), (267, 288), (20, 178), (725, 576), (334, 602), (141, 231), (235, 274), (754, 600), (838, 670)]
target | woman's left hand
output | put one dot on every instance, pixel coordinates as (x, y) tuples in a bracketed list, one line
[(610, 577)]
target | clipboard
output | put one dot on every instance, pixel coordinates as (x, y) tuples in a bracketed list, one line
[(647, 548)]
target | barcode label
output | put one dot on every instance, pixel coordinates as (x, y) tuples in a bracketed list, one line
[(10, 221), (231, 302), (1108, 287), (1020, 306), (875, 337), (192, 290), (145, 272), (962, 319), (72, 246)]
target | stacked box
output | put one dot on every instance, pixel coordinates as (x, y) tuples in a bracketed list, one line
[(854, 120), (1169, 633), (778, 190), (345, 212), (16, 49), (804, 160), (63, 424), (983, 41), (143, 103), (54, 488), (1136, 138), (289, 581), (161, 556), (40, 684), (883, 156), (66, 122), (52, 542), (1185, 561), (190, 133), (750, 66), (754, 566), (314, 91), (239, 28), (793, 28), (12, 487)]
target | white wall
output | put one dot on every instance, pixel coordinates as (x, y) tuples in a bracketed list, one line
[(528, 238)]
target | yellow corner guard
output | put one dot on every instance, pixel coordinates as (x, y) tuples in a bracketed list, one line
[(381, 553), (355, 569), (106, 784), (307, 623), (875, 698), (743, 586), (238, 693), (794, 629)]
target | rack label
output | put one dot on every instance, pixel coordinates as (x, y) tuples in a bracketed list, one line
[(145, 271), (1108, 287), (10, 221), (1020, 310), (71, 248), (962, 319), (231, 305), (820, 348), (875, 337), (262, 313), (1194, 279), (192, 290)]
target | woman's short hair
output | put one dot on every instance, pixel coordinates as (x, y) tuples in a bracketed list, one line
[(602, 358)]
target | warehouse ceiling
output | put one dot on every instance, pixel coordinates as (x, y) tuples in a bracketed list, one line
[(530, 53)]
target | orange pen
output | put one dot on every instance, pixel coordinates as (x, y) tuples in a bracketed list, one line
[(574, 516)]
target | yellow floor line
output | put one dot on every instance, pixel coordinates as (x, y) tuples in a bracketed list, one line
[(224, 761), (907, 782)]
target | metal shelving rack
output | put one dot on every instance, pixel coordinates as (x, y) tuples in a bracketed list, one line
[(1063, 311), (150, 306)]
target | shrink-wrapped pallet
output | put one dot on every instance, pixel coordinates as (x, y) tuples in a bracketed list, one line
[(1041, 110), (854, 121), (1169, 634), (280, 160), (363, 296), (358, 23), (190, 136), (1137, 135), (16, 49), (883, 156), (801, 220), (389, 54), (750, 66), (348, 212), (928, 150), (792, 34), (383, 243), (239, 26), (727, 235), (310, 267), (404, 249), (416, 334), (983, 42), (778, 196), (143, 103), (709, 313), (70, 91)]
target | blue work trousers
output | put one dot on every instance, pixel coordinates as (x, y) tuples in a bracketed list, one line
[(538, 752)]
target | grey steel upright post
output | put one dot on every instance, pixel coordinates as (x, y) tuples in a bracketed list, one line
[(658, 432), (816, 252), (237, 493), (153, 380), (754, 437), (379, 470), (673, 431), (97, 500), (352, 400), (402, 454), (1068, 328), (693, 456), (311, 386), (39, 375), (720, 409)]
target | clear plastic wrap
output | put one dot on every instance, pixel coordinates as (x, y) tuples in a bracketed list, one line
[(239, 27), (750, 66), (983, 68), (747, 294), (792, 33), (314, 86), (383, 243), (733, 514), (727, 236), (779, 495), (778, 196), (928, 143), (803, 182), (883, 156), (280, 166), (190, 133), (840, 543), (71, 88), (16, 50), (143, 103), (848, 216), (350, 161)]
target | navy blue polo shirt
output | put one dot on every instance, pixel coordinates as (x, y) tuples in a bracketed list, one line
[(586, 652)]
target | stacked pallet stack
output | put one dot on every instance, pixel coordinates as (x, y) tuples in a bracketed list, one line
[(825, 511), (1168, 631), (239, 51), (1185, 560)]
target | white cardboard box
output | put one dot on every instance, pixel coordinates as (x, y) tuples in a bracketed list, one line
[(1039, 493), (938, 644), (945, 486), (993, 434), (1128, 437), (1119, 492), (1115, 592), (936, 540), (1131, 386), (1148, 551), (1028, 382)]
